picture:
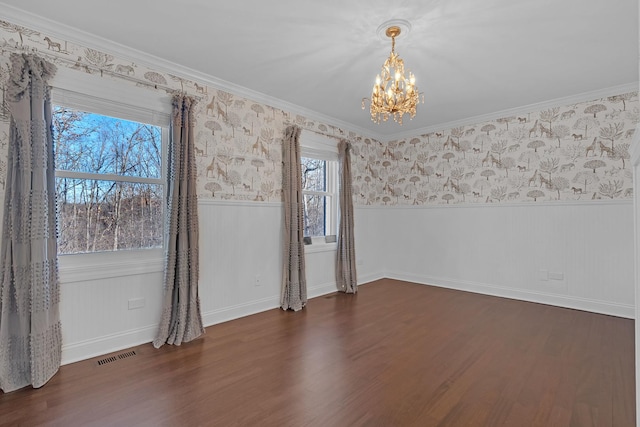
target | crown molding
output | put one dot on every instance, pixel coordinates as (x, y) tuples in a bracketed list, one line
[(557, 102), (82, 38), (126, 53)]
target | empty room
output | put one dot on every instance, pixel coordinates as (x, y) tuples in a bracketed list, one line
[(413, 213)]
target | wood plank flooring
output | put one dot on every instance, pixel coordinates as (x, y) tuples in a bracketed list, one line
[(395, 354)]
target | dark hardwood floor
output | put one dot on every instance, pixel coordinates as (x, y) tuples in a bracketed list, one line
[(396, 354)]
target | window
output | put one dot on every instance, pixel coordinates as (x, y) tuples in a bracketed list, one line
[(109, 182), (109, 147), (319, 186), (318, 190)]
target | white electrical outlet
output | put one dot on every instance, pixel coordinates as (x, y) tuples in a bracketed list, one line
[(258, 280), (553, 275), (136, 303), (544, 275)]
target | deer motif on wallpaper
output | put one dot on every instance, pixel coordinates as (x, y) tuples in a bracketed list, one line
[(52, 45), (487, 159), (591, 147), (534, 129), (544, 181), (544, 130), (211, 168), (221, 113), (211, 106), (491, 159), (605, 149), (451, 144), (371, 170), (416, 168), (258, 147), (447, 185), (221, 172), (125, 69)]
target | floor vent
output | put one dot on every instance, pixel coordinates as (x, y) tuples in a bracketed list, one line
[(116, 357), (127, 354)]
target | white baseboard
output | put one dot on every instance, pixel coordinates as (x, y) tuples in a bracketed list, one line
[(107, 344), (566, 301), (233, 312), (253, 307), (371, 277), (320, 290), (115, 342)]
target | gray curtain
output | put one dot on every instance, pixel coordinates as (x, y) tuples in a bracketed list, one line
[(294, 285), (181, 320), (346, 278), (30, 334)]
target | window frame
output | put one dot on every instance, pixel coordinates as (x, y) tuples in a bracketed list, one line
[(112, 98), (316, 146)]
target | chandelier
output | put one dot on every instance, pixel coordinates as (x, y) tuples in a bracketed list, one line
[(393, 94)]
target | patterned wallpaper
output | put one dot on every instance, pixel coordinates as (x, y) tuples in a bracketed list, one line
[(571, 152), (574, 152), (238, 141)]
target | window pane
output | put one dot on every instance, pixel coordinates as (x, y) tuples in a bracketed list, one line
[(314, 215), (313, 174), (96, 215), (92, 143)]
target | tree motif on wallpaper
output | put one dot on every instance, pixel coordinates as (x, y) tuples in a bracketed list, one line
[(575, 152), (22, 32), (258, 109), (230, 164), (100, 60), (154, 77), (571, 152), (213, 126)]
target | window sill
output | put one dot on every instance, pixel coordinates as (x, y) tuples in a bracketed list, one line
[(320, 247), (107, 265)]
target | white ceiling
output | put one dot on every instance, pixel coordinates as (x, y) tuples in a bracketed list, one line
[(470, 57)]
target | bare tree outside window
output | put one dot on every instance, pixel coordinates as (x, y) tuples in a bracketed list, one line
[(314, 186), (319, 190), (109, 183)]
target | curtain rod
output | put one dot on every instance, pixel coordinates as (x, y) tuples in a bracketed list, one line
[(341, 137), (89, 68)]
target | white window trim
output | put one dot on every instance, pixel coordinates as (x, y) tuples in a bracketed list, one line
[(107, 265), (104, 96), (111, 98), (325, 148)]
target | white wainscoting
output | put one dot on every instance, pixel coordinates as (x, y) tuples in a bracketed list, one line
[(96, 318), (240, 274), (485, 249), (505, 250), (635, 161)]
